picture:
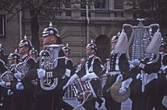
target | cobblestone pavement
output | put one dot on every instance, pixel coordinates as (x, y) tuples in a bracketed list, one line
[(125, 105)]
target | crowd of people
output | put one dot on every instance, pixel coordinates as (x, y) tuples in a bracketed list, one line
[(33, 80)]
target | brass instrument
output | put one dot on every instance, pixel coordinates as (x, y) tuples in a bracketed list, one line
[(23, 67), (141, 45), (140, 40), (48, 61), (8, 78)]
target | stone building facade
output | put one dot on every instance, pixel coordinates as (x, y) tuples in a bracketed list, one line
[(77, 24)]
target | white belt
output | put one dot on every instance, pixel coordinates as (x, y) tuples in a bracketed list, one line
[(113, 73)]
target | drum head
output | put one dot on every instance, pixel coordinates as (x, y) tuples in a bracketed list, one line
[(116, 95)]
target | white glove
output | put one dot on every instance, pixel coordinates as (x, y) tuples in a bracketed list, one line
[(41, 73), (125, 85), (164, 68), (71, 80), (122, 90), (135, 62), (89, 76), (119, 78), (18, 75), (131, 66), (138, 76), (9, 92), (2, 83), (68, 72), (84, 78), (19, 86)]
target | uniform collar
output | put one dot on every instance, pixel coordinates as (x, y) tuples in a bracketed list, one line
[(90, 56), (24, 56)]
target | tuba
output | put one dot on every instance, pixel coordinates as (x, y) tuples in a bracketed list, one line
[(48, 61)]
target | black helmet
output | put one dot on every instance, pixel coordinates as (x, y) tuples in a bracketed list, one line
[(91, 45), (25, 42), (1, 49), (13, 56), (66, 48), (50, 31), (163, 44), (115, 38), (33, 51)]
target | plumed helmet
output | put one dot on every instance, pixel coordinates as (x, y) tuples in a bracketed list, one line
[(33, 51), (115, 38), (1, 49), (25, 42), (50, 31), (66, 48), (91, 45)]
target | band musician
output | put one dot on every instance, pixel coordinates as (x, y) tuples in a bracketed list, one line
[(49, 72), (117, 65)]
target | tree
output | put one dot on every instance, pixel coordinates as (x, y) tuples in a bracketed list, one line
[(151, 10), (39, 9)]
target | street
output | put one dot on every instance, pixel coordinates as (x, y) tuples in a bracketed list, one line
[(125, 105)]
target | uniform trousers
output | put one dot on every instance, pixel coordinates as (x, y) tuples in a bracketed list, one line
[(47, 102), (143, 100), (161, 90), (110, 103)]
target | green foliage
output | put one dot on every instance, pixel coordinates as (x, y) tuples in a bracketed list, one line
[(151, 10), (44, 8)]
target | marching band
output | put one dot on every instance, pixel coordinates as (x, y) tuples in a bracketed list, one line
[(38, 81)]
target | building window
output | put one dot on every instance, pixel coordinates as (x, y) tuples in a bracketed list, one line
[(68, 12), (118, 4), (115, 14), (83, 4), (68, 4), (122, 14), (2, 25), (102, 4)]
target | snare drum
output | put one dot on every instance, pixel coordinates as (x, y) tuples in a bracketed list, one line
[(82, 89)]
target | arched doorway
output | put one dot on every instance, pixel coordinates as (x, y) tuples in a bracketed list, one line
[(103, 47)]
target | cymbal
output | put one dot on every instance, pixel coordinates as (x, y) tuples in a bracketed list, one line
[(116, 95)]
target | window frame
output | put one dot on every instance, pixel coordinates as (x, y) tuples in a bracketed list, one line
[(103, 8), (2, 25)]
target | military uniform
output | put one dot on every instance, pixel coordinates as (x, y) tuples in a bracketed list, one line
[(143, 89), (70, 70), (161, 84), (94, 65), (10, 84), (24, 92), (3, 68), (91, 67), (46, 97), (118, 63)]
